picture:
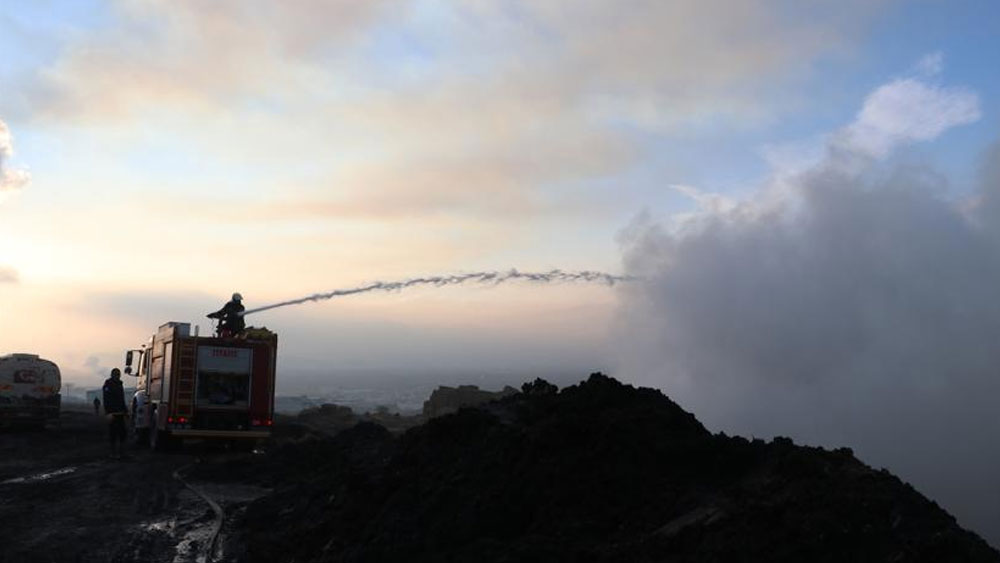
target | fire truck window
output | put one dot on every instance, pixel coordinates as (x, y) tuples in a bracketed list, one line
[(224, 376), (223, 388)]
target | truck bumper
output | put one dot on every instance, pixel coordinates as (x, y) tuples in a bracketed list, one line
[(29, 415), (235, 434)]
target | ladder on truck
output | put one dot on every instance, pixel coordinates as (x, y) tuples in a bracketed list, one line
[(186, 355)]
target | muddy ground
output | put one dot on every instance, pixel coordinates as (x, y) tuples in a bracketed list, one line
[(62, 499)]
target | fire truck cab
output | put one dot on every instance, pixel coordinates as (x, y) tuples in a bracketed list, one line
[(191, 386)]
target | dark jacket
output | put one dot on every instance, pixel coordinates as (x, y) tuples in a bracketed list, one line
[(114, 396), (231, 316)]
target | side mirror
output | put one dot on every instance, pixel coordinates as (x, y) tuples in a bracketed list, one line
[(128, 361)]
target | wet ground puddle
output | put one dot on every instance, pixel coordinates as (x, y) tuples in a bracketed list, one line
[(39, 476)]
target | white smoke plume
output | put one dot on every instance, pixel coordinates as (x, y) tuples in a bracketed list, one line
[(10, 178), (491, 278), (854, 303), (96, 368)]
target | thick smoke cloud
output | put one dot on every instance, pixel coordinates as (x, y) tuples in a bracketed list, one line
[(95, 368), (850, 303), (10, 178)]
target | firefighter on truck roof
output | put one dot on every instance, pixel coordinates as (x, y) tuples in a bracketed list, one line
[(230, 317)]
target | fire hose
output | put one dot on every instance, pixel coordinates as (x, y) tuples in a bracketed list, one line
[(219, 514)]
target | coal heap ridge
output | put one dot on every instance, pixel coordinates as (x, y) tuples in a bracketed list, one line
[(599, 471)]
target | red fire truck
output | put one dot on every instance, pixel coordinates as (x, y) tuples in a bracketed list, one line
[(192, 386)]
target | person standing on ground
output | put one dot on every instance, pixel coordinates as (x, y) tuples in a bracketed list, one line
[(97, 406), (114, 407)]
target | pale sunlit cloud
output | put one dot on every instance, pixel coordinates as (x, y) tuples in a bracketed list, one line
[(8, 275), (197, 55), (501, 100), (685, 53), (11, 178), (930, 64), (496, 186), (906, 111)]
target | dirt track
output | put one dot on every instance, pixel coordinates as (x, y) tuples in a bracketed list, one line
[(63, 499)]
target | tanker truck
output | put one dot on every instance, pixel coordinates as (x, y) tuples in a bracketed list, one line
[(29, 390), (191, 386)]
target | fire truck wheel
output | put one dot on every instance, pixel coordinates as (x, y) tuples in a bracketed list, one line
[(242, 445), (160, 440)]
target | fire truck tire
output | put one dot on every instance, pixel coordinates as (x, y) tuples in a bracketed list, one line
[(160, 440), (141, 434), (242, 445)]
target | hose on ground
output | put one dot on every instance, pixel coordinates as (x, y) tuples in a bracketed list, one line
[(219, 514)]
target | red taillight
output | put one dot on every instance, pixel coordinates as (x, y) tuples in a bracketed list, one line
[(170, 419), (182, 420), (262, 422), (270, 422)]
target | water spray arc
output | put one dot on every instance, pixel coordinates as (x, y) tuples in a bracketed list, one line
[(492, 278)]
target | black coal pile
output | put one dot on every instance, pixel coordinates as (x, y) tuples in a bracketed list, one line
[(600, 471)]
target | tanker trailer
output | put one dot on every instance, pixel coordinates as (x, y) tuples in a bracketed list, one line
[(29, 390)]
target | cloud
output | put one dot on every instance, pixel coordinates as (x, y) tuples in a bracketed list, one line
[(658, 65), (645, 61), (984, 209), (905, 111), (159, 53), (405, 108), (138, 313), (10, 178), (850, 303), (9, 275), (930, 65), (706, 201), (482, 186)]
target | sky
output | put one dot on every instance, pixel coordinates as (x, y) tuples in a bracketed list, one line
[(807, 190)]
